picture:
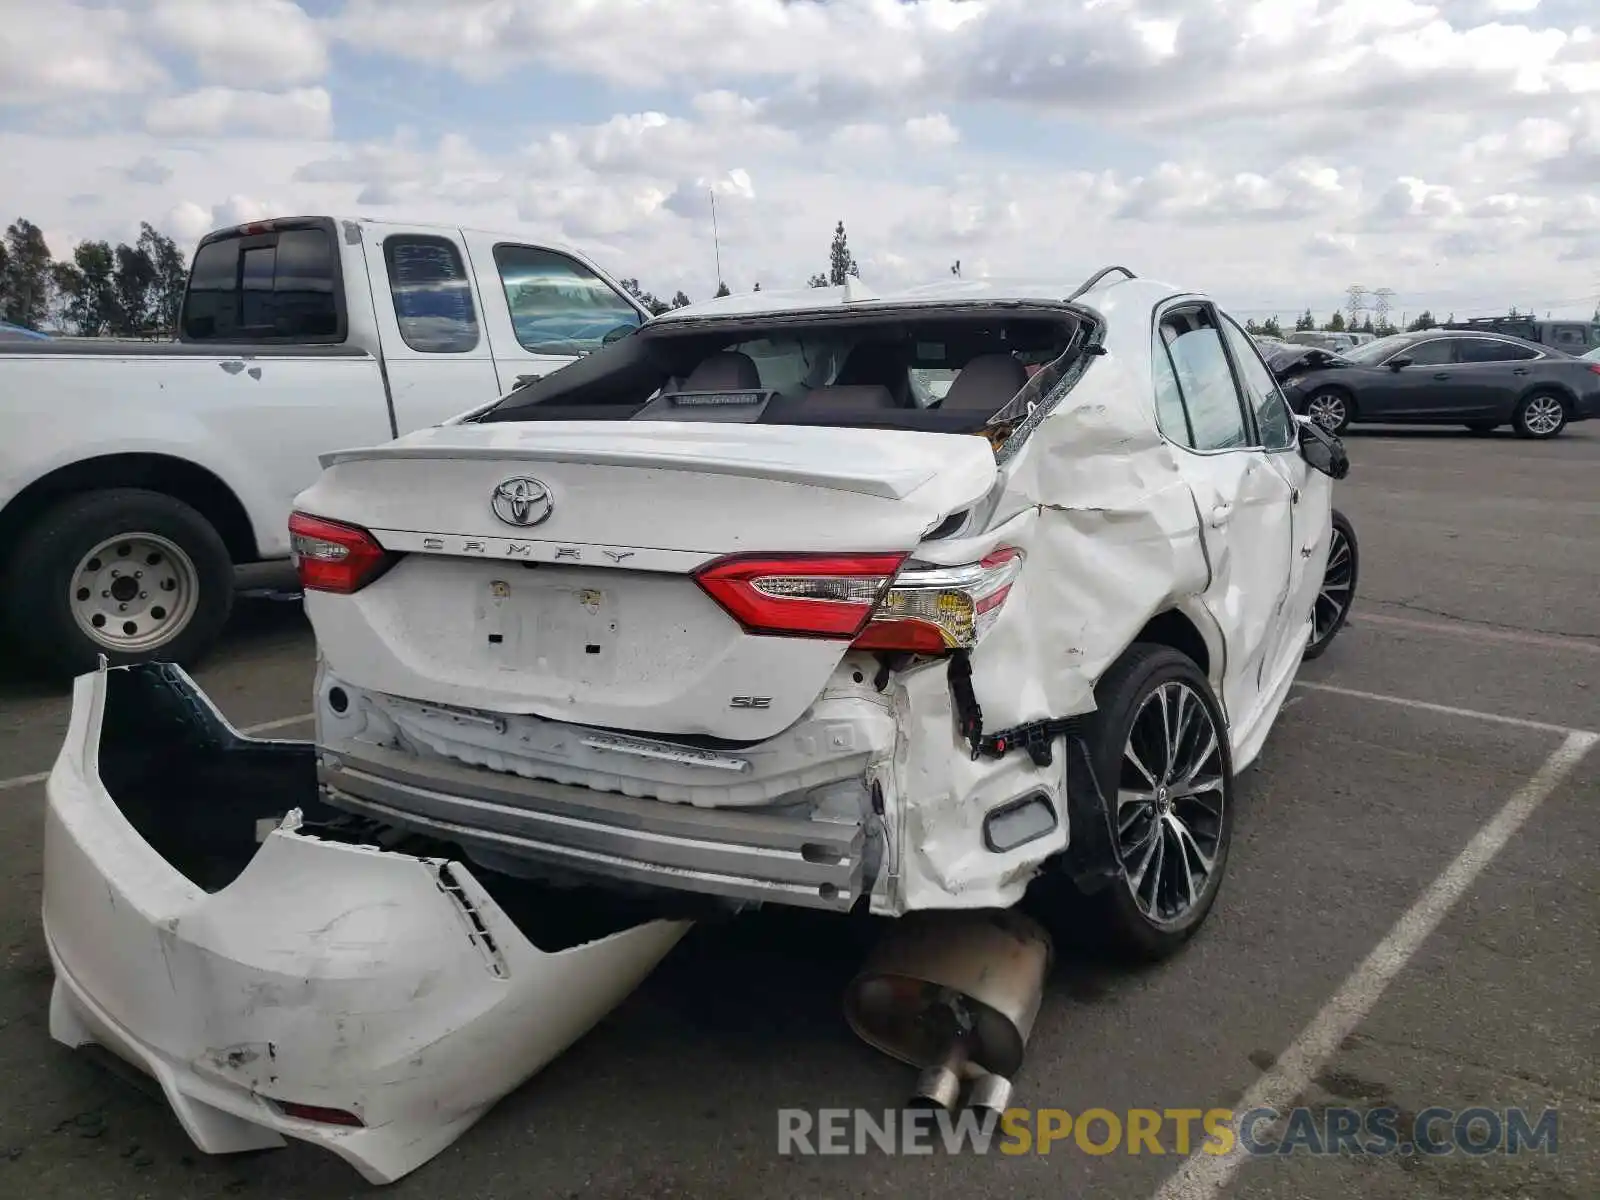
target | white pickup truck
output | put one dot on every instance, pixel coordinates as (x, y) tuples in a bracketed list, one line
[(134, 477)]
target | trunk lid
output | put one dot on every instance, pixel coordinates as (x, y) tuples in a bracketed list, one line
[(548, 567)]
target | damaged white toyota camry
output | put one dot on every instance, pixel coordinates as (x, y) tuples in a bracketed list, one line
[(826, 599)]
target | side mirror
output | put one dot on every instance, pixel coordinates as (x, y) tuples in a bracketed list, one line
[(617, 334), (1322, 450), (1394, 364)]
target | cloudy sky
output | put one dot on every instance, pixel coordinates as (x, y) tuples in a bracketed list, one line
[(1272, 152)]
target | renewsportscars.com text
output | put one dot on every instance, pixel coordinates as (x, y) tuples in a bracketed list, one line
[(1178, 1131)]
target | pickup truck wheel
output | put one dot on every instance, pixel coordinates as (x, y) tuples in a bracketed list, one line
[(1160, 750), (128, 573)]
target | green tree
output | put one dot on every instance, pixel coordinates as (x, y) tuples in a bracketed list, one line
[(1368, 327), (93, 310), (133, 280), (817, 281), (841, 263), (679, 300), (1250, 325), (722, 290), (1424, 321), (758, 285), (26, 287), (1335, 323), (652, 305), (171, 276), (1271, 328), (1305, 322)]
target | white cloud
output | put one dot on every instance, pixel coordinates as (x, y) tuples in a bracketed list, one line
[(244, 43), (303, 112), (50, 50), (932, 131), (1270, 151)]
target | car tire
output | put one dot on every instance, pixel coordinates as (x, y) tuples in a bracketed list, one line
[(1332, 408), (1482, 427), (146, 569), (1539, 416), (1338, 592), (1126, 918)]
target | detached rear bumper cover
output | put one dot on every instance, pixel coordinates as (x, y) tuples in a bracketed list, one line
[(338, 976)]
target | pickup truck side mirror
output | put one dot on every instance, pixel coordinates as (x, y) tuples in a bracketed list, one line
[(1394, 364), (1322, 450)]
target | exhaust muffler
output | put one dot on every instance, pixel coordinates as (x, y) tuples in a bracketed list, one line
[(954, 994)]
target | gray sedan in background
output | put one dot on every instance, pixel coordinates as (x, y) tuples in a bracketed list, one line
[(1442, 377)]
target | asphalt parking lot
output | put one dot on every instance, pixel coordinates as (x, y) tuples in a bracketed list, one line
[(1411, 919)]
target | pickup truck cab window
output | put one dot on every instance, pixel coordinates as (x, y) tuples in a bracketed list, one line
[(275, 286), (558, 306), (432, 294)]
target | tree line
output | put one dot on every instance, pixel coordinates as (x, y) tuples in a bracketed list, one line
[(100, 291), (136, 290)]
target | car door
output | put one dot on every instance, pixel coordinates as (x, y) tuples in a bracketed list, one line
[(1310, 507), (1492, 375), (548, 308), (436, 354), (1412, 391), (1244, 504)]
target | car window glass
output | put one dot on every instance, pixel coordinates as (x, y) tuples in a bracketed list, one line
[(1437, 352), (277, 286), (1170, 414), (1274, 425), (559, 306), (1488, 350), (432, 294), (1209, 394)]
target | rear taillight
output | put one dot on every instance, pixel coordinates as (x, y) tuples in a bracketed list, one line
[(800, 595), (929, 610), (866, 599), (1595, 367), (334, 557)]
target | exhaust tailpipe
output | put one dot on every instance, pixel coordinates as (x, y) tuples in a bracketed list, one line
[(954, 994)]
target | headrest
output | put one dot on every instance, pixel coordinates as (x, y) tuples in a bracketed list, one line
[(724, 371), (986, 382)]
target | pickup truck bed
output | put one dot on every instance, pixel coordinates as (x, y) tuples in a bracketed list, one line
[(134, 476)]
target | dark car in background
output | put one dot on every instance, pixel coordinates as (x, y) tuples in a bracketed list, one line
[(1569, 337), (1441, 377)]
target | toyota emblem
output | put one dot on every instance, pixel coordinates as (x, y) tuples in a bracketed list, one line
[(522, 501)]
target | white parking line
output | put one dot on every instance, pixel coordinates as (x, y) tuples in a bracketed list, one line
[(18, 781), (1480, 633), (1448, 710), (1204, 1176)]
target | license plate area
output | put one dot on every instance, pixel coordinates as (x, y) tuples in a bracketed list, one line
[(562, 629)]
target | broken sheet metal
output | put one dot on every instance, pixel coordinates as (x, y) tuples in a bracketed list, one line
[(1112, 531), (372, 1003)]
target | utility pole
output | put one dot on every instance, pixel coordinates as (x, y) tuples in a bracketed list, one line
[(716, 241)]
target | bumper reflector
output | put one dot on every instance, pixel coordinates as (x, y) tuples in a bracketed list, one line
[(1018, 822), (322, 1116)]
